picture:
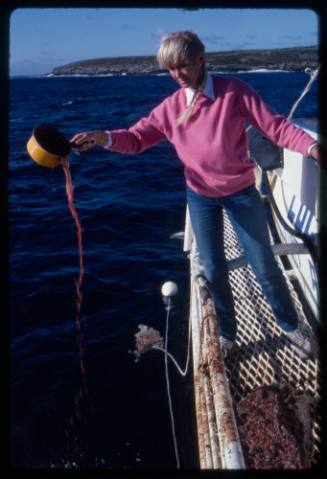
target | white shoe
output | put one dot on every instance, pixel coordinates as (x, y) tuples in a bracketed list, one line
[(226, 345), (302, 341)]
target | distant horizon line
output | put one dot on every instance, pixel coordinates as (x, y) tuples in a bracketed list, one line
[(79, 75)]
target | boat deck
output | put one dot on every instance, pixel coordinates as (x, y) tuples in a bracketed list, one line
[(263, 357)]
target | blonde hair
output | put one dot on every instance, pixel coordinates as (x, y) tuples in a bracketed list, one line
[(179, 47), (175, 49)]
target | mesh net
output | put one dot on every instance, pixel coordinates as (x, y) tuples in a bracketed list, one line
[(263, 356)]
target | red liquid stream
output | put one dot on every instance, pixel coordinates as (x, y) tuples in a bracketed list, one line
[(70, 197), (76, 447)]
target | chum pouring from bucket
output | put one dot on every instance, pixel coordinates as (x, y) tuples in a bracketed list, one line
[(47, 146)]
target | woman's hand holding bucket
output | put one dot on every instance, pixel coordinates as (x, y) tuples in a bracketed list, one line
[(85, 140), (47, 146)]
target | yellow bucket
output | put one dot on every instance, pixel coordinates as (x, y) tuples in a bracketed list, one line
[(47, 146)]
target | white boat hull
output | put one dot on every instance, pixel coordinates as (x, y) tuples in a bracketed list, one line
[(295, 189)]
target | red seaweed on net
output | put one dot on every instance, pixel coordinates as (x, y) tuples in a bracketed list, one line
[(274, 427)]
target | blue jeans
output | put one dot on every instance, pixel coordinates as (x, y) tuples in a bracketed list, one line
[(247, 215)]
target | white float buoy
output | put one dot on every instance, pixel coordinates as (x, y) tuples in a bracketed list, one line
[(169, 288)]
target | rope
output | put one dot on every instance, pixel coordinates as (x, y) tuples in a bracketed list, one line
[(313, 75), (171, 357), (179, 369), (172, 419)]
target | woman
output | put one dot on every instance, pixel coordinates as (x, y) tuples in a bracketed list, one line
[(205, 121)]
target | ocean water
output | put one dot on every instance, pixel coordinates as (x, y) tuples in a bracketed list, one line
[(116, 416)]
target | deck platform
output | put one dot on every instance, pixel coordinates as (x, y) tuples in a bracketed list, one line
[(263, 357)]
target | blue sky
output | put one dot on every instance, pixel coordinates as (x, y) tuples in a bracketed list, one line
[(43, 38)]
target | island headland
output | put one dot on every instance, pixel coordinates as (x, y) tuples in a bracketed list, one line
[(285, 59)]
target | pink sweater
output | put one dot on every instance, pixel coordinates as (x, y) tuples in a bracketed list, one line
[(212, 144)]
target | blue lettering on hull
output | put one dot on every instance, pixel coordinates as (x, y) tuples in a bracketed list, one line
[(301, 219)]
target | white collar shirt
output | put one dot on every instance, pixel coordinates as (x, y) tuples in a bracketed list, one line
[(207, 91)]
